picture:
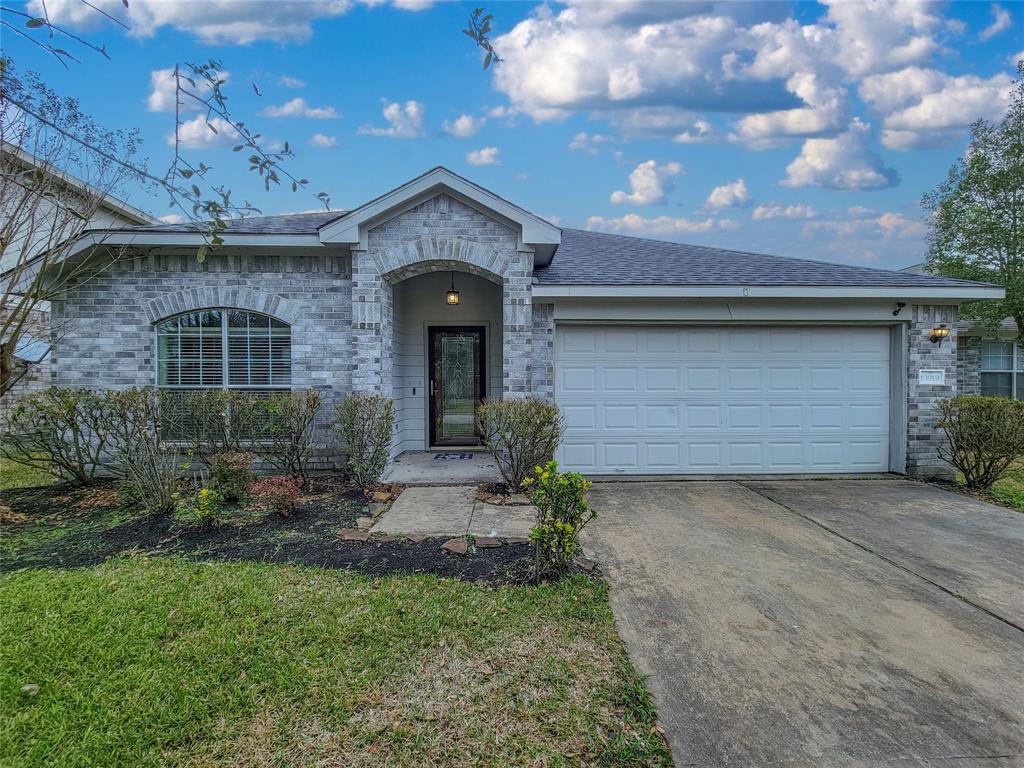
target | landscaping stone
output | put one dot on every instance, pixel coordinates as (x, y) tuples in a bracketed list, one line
[(354, 534), (417, 538), (381, 497), (455, 546), (364, 523), (484, 542), (585, 564), (516, 540)]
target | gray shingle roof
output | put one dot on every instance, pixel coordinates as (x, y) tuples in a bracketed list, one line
[(284, 224), (598, 258)]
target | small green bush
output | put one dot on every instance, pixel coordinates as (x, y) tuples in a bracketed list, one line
[(61, 431), (232, 474), (521, 434), (365, 426), (985, 437), (205, 509), (562, 512), (285, 426)]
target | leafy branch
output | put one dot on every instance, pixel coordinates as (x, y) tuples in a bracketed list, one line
[(479, 31)]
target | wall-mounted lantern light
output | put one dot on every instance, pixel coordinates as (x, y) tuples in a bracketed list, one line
[(939, 332), (451, 296)]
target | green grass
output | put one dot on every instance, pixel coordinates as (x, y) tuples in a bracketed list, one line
[(166, 661), (1009, 489), (19, 476)]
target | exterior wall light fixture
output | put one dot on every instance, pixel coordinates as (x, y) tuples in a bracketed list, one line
[(939, 333), (451, 296)]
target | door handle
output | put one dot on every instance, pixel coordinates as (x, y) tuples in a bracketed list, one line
[(432, 390)]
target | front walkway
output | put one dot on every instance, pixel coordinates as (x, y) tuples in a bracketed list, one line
[(455, 466), (453, 511)]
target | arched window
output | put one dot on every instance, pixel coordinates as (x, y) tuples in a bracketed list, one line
[(225, 348)]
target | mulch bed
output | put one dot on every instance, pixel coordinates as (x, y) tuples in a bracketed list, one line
[(95, 529)]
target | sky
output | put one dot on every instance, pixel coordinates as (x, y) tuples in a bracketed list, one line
[(802, 129)]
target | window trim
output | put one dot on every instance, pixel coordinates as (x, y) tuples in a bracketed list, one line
[(1014, 371), (225, 352)]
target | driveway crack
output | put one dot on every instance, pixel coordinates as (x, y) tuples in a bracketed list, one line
[(896, 563)]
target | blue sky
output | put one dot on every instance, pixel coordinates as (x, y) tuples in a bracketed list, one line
[(801, 129)]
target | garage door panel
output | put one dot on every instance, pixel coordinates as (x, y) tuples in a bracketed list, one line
[(709, 399)]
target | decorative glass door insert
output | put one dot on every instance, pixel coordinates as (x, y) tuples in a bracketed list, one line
[(456, 384)]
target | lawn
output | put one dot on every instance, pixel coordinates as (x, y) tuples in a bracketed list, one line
[(169, 661), (1010, 489), (19, 476)]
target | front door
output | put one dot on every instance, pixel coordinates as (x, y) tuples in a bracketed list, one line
[(456, 383)]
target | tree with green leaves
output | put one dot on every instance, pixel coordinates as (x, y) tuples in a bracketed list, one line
[(977, 215)]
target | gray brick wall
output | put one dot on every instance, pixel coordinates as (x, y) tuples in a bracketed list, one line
[(968, 365), (923, 434), (543, 367), (109, 339)]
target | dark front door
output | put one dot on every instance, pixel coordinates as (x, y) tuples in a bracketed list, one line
[(456, 384)]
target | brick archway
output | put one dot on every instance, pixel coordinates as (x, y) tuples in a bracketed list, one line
[(250, 299)]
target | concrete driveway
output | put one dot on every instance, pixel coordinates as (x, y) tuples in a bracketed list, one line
[(821, 623)]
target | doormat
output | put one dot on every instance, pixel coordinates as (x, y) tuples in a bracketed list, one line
[(452, 456)]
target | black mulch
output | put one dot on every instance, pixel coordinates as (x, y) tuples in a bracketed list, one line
[(51, 527)]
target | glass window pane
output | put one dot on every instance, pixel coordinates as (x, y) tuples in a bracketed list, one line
[(1020, 386), (996, 356), (996, 384)]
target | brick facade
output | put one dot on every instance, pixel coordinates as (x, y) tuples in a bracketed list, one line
[(923, 434), (543, 369), (968, 365)]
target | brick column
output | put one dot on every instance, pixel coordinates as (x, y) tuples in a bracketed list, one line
[(968, 365), (517, 326), (543, 368), (923, 434), (372, 327)]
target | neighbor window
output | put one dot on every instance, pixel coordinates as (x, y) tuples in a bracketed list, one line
[(227, 348), (1002, 373)]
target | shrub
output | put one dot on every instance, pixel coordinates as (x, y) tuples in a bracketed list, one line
[(205, 509), (149, 466), (562, 512), (365, 426), (986, 436), (521, 434), (278, 493), (231, 474), (60, 431), (213, 421), (284, 424)]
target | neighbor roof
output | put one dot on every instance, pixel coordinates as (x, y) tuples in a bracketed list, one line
[(598, 258), (284, 224)]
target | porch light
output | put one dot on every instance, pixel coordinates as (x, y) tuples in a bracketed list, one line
[(939, 332), (451, 296)]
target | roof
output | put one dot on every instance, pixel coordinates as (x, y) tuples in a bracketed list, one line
[(110, 202), (284, 224), (598, 258)]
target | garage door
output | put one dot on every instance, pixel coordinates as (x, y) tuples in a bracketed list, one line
[(663, 400)]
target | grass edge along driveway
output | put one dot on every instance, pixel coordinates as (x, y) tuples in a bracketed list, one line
[(163, 661)]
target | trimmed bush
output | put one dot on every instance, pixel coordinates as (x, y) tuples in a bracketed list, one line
[(985, 437), (61, 431), (562, 512), (149, 466), (277, 493), (521, 434), (365, 426), (285, 425), (232, 474)]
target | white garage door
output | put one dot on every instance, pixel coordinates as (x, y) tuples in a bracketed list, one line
[(663, 400)]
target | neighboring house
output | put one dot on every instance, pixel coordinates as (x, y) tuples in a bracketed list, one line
[(989, 361), (32, 352), (664, 358)]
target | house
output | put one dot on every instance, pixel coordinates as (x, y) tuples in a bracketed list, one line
[(989, 360), (665, 358), (31, 361)]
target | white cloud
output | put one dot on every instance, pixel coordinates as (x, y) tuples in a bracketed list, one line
[(218, 22), (162, 91), (298, 107), (323, 141), (484, 156), (888, 226), (291, 82), (1001, 20), (662, 225), (927, 108), (845, 162), (778, 211), (898, 225), (589, 143), (172, 218), (698, 134), (404, 122), (649, 182), (521, 177), (882, 34), (1016, 57), (203, 133), (733, 195), (464, 126)]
